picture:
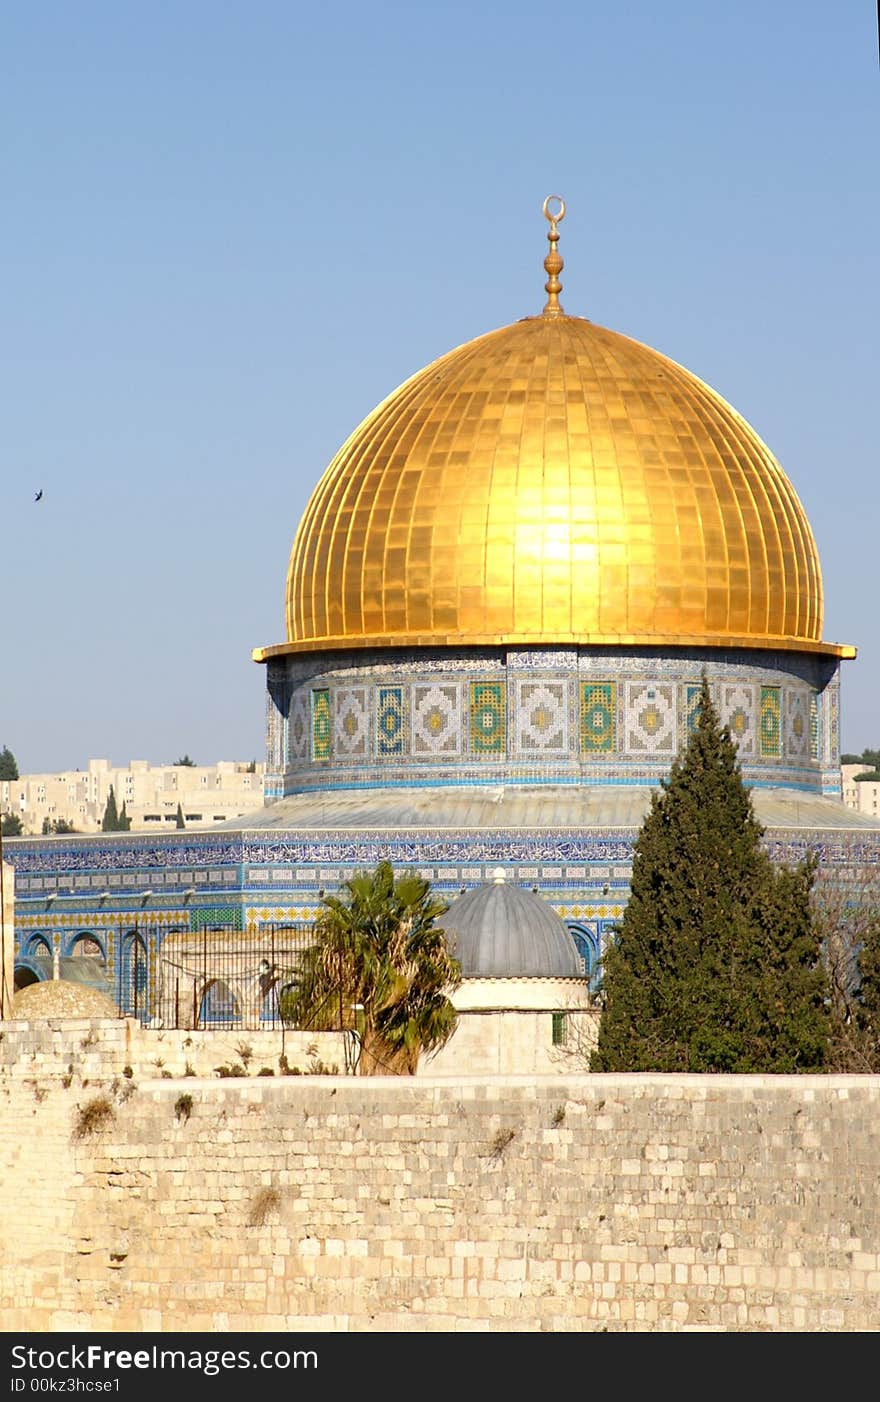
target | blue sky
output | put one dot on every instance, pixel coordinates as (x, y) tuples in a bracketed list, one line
[(230, 229)]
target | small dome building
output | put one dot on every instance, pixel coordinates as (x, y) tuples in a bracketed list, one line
[(505, 932), (61, 998), (524, 1004)]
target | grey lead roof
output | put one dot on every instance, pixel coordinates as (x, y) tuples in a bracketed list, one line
[(520, 807), (502, 931)]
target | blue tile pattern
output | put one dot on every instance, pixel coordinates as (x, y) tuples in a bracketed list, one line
[(390, 722), (405, 717)]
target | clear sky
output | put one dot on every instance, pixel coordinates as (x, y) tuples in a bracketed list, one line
[(229, 229)]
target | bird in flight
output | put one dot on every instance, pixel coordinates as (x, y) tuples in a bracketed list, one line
[(39, 494)]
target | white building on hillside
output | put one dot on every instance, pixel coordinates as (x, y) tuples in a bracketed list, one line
[(152, 794), (862, 795)]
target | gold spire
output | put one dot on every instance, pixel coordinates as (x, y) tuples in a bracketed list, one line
[(553, 263)]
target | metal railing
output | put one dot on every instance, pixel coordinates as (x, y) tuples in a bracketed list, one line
[(221, 977)]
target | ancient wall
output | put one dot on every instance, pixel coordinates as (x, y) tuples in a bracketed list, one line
[(518, 1204)]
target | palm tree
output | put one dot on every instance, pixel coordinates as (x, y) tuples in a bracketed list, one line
[(379, 951)]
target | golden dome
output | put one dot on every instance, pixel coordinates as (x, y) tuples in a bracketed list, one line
[(554, 482)]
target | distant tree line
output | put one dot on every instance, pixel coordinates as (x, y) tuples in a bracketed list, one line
[(114, 819)]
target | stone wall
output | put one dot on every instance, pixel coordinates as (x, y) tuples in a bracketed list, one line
[(574, 1203), (93, 1051)]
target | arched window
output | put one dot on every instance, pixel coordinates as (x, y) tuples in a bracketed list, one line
[(219, 1006), (87, 946), (36, 962), (25, 974), (134, 977), (587, 937)]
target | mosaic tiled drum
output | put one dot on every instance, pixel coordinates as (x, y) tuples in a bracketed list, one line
[(461, 715), (500, 603)]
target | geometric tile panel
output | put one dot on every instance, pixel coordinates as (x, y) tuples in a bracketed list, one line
[(650, 719), (320, 725), (771, 723), (436, 719), (797, 723), (298, 727), (814, 725), (626, 716), (598, 720), (390, 721), (488, 717), (542, 718), (833, 711), (350, 720), (738, 712), (207, 916)]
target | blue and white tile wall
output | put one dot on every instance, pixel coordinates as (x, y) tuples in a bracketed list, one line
[(600, 716)]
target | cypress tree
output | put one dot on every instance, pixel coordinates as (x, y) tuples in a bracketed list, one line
[(8, 766), (124, 824), (866, 1014), (110, 821), (716, 965), (179, 822)]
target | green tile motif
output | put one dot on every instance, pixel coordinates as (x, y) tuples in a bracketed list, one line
[(206, 917), (814, 726), (390, 727), (598, 717), (488, 718), (321, 727), (771, 723)]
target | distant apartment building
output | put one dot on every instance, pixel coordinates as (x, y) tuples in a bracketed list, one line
[(862, 795), (152, 794)]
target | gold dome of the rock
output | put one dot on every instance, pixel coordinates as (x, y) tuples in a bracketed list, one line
[(554, 482)]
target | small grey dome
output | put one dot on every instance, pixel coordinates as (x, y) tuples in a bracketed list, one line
[(502, 931)]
